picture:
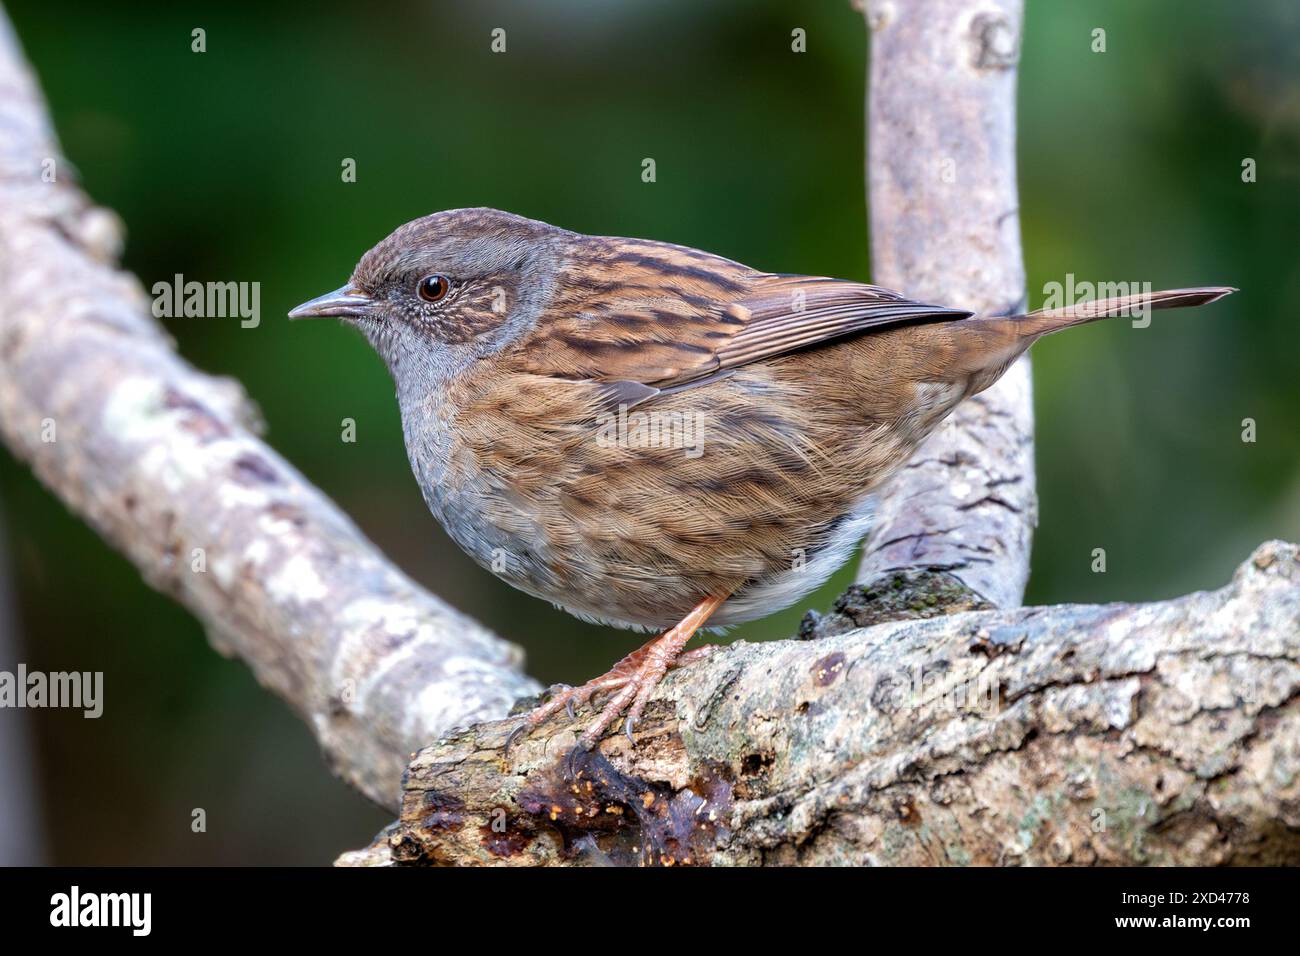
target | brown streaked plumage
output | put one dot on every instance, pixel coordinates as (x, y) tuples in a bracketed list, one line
[(768, 406)]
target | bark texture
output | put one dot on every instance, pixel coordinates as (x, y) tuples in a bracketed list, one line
[(163, 461), (944, 228), (1164, 733)]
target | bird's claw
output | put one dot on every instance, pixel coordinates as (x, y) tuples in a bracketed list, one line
[(513, 738), (575, 758), (555, 697), (629, 724)]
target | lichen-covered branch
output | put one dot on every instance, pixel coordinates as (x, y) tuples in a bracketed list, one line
[(1164, 733), (163, 461), (945, 228)]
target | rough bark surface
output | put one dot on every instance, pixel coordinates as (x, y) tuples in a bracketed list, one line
[(944, 228), (162, 460), (1164, 733)]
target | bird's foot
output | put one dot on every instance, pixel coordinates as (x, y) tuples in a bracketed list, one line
[(637, 688), (631, 682), (566, 698)]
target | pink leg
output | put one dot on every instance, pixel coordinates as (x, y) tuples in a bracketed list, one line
[(634, 678)]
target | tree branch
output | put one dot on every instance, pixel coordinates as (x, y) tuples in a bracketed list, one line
[(944, 228), (1118, 734), (162, 460)]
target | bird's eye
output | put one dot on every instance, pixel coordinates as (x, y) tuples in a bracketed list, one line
[(434, 287)]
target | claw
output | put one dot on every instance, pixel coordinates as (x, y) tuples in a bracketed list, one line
[(514, 737), (630, 682), (573, 759)]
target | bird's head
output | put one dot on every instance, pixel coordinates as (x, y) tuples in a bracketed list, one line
[(444, 290)]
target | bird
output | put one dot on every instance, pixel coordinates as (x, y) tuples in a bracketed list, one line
[(654, 437)]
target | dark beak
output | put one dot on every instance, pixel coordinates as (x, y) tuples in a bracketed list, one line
[(348, 302)]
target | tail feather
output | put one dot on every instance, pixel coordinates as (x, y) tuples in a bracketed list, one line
[(1046, 321), (985, 346)]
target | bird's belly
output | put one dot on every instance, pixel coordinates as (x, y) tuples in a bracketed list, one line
[(657, 603), (606, 588), (784, 586), (636, 536)]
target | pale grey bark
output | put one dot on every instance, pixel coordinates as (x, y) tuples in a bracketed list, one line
[(163, 461), (945, 228)]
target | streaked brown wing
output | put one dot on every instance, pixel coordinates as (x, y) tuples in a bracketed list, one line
[(785, 313), (645, 316)]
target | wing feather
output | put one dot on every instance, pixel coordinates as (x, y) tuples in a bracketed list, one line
[(667, 316)]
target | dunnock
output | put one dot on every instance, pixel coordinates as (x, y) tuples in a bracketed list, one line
[(654, 437)]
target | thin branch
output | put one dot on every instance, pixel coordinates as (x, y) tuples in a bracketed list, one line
[(161, 459), (945, 228)]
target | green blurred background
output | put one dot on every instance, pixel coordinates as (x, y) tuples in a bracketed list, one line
[(226, 166)]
